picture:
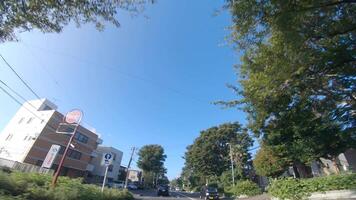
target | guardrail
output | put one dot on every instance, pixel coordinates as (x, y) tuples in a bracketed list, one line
[(24, 167)]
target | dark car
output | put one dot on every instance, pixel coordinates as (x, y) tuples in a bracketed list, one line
[(209, 193), (163, 190)]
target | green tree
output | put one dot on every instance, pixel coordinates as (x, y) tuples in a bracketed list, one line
[(208, 157), (298, 74), (151, 161), (270, 161), (53, 15), (177, 182)]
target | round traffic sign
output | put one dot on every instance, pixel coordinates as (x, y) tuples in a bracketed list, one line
[(108, 156), (73, 117)]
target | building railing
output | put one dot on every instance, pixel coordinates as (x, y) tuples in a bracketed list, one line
[(24, 167)]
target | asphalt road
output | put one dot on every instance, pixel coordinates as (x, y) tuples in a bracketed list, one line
[(174, 195)]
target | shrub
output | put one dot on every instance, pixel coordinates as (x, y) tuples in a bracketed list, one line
[(289, 188), (28, 186), (247, 187)]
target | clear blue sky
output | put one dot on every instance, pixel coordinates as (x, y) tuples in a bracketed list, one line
[(151, 81)]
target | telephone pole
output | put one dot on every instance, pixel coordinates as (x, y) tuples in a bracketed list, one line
[(232, 165), (128, 166)]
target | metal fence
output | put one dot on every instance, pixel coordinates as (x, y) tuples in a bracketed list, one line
[(24, 167)]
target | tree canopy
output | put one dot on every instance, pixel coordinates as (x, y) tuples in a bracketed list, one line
[(298, 73), (270, 162), (151, 159), (53, 15), (209, 156)]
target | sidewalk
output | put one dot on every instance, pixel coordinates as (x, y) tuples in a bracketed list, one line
[(258, 197)]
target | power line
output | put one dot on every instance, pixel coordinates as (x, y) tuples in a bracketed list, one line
[(12, 90), (45, 68), (127, 74), (254, 148), (24, 82), (18, 102)]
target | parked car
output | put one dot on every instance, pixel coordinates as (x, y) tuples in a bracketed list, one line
[(131, 186), (118, 185), (163, 190), (209, 193)]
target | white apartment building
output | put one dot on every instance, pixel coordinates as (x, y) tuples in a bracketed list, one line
[(97, 175), (32, 131)]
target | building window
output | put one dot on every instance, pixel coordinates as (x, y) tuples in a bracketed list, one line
[(74, 154), (30, 120), (71, 153), (81, 138), (114, 156), (21, 120), (110, 168)]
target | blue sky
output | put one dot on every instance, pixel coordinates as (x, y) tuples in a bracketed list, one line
[(151, 81)]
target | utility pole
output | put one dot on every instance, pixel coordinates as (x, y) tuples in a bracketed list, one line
[(128, 166), (232, 166)]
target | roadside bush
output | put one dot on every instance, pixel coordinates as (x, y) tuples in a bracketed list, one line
[(29, 186), (247, 187), (195, 189), (289, 188)]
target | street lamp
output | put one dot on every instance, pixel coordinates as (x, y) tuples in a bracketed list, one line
[(232, 165)]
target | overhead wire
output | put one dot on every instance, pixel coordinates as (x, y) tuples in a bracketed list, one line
[(22, 80), (130, 75), (29, 110), (19, 95)]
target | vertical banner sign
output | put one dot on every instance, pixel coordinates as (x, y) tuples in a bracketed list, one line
[(51, 155)]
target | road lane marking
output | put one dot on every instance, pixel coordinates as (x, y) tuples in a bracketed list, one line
[(184, 195)]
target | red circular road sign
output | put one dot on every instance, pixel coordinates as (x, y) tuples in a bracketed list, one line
[(73, 117)]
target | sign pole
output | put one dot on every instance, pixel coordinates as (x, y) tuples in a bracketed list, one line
[(55, 178), (72, 117), (106, 173)]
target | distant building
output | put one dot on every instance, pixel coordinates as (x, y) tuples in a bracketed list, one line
[(134, 175), (122, 174), (31, 132), (97, 175)]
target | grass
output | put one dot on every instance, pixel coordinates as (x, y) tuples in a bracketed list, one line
[(32, 186)]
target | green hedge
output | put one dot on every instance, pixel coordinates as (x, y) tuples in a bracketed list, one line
[(290, 188), (247, 187), (30, 186)]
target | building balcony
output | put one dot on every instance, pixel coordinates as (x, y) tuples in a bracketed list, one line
[(94, 154), (99, 141), (90, 167)]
